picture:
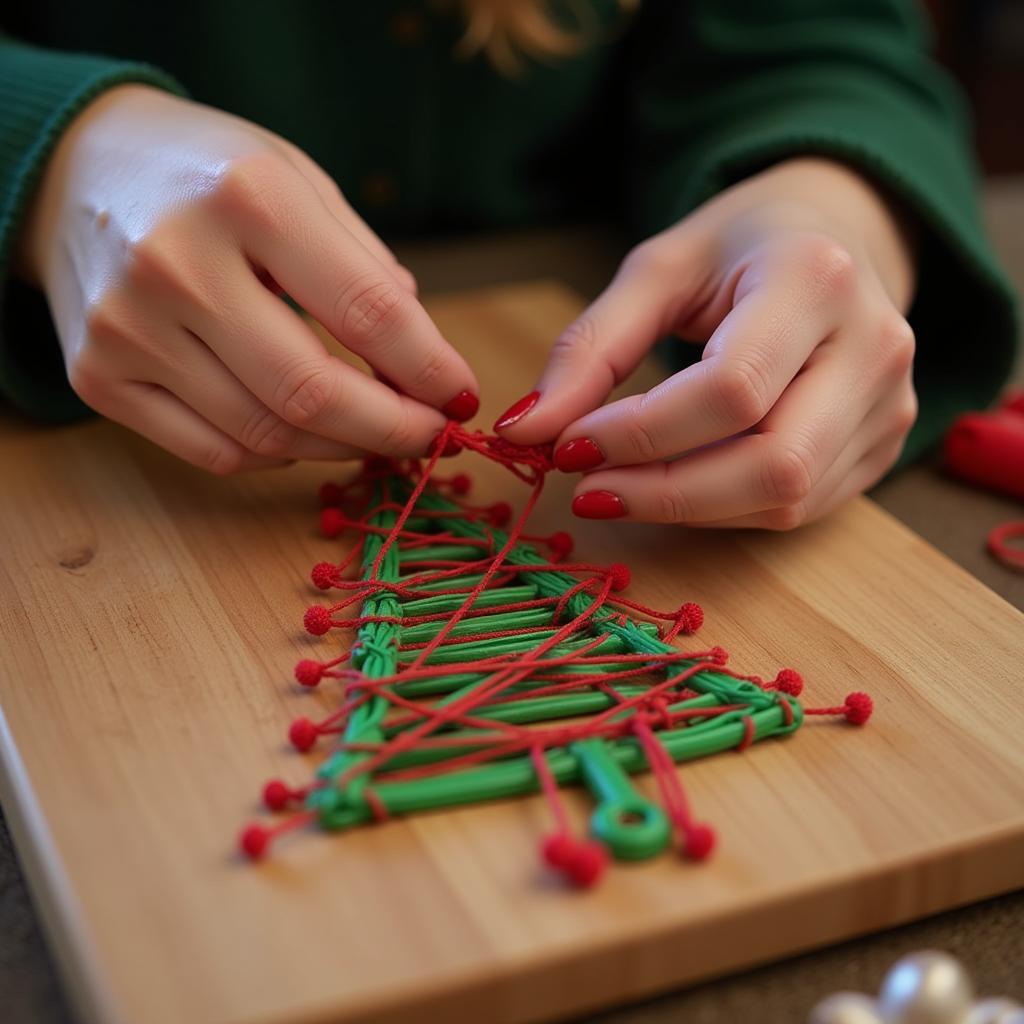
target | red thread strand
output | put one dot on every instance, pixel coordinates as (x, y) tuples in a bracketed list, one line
[(457, 729)]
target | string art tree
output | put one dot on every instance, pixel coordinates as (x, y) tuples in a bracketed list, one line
[(488, 663)]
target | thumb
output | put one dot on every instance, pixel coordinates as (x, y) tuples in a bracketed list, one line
[(606, 342)]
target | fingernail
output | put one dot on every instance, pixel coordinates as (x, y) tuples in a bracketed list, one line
[(598, 505), (578, 455), (452, 447), (515, 412), (462, 407)]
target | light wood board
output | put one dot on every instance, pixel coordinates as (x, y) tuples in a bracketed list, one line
[(151, 616)]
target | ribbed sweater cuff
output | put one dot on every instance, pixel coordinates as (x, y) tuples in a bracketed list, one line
[(41, 92)]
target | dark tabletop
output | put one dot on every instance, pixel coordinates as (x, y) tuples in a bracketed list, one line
[(988, 937)]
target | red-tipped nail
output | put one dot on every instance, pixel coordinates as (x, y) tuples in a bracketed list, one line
[(579, 455), (598, 505), (451, 447), (515, 412), (462, 407)]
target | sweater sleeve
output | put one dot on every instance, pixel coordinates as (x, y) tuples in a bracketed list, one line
[(724, 88), (41, 91)]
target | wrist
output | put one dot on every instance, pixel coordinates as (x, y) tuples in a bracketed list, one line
[(35, 243)]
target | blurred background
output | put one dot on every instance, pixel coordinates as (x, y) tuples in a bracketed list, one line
[(982, 43)]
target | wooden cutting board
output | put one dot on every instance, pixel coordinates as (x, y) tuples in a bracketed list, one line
[(151, 616)]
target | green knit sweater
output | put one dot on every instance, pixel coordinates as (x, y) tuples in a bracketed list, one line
[(663, 109)]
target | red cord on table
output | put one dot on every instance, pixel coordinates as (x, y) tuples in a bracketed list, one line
[(1007, 553)]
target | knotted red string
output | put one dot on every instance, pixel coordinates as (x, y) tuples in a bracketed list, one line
[(417, 724)]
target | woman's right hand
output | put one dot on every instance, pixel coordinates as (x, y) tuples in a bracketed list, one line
[(163, 233)]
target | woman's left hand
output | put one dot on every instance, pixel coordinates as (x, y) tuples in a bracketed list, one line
[(797, 279)]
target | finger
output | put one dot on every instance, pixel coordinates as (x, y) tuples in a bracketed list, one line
[(278, 358), (749, 361), (340, 207), (600, 348), (734, 478), (744, 474), (322, 265), (879, 439), (196, 376), (830, 411), (881, 435), (871, 468), (165, 420), (863, 475), (336, 203), (406, 278)]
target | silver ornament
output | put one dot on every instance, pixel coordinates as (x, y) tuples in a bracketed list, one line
[(996, 1011), (845, 1008), (926, 988)]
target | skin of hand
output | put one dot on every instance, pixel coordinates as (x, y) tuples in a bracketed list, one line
[(164, 234), (797, 279)]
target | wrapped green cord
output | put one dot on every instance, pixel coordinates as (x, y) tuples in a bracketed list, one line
[(520, 713), (630, 825), (516, 776)]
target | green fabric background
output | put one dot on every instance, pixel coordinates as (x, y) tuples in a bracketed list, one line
[(662, 110)]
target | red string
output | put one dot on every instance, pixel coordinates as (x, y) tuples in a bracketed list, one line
[(419, 724), (582, 863), (748, 733), (698, 840), (1007, 553)]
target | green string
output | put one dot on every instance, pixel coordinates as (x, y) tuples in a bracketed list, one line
[(376, 654)]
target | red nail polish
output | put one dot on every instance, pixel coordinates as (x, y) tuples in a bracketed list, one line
[(462, 407), (451, 447), (515, 412), (598, 505), (578, 455)]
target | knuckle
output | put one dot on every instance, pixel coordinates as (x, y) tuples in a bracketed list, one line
[(221, 460), (370, 312), (431, 369), (104, 324), (304, 394), (906, 414), (164, 262), (739, 394), (116, 332), (787, 518), (399, 438), (151, 262), (829, 264), (650, 257), (87, 382), (579, 336), (578, 346), (672, 505), (787, 474), (405, 276), (266, 434), (897, 344), (641, 438), (248, 186), (884, 461)]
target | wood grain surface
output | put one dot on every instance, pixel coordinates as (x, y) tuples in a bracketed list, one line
[(151, 616)]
